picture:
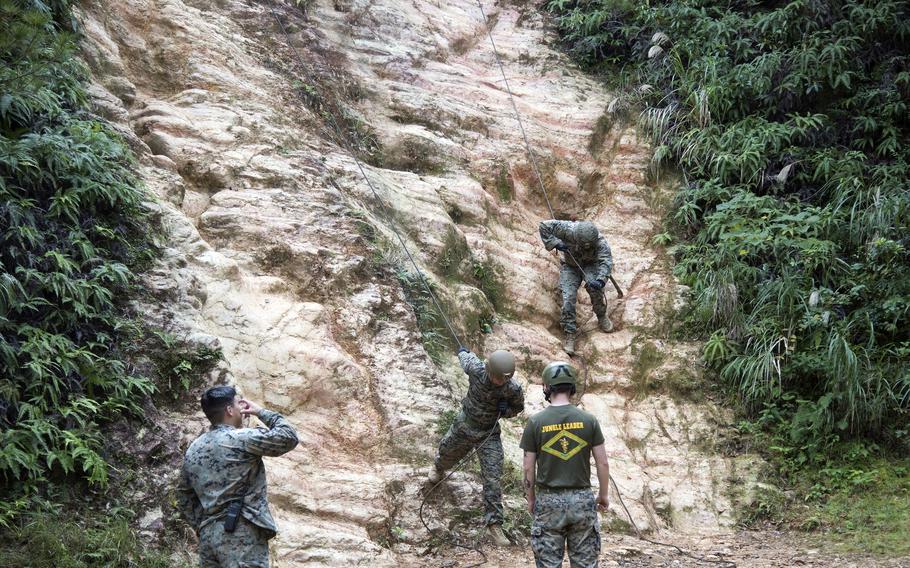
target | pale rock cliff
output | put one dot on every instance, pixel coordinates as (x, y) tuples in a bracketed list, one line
[(277, 250)]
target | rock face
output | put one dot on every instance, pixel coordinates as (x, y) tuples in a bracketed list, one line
[(279, 251)]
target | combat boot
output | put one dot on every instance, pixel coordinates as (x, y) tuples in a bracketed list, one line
[(497, 536), (435, 476), (605, 324), (569, 344)]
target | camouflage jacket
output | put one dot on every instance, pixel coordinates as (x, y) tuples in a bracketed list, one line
[(479, 405), (222, 462), (597, 261)]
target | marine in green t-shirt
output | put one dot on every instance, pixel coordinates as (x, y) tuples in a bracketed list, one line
[(562, 437), (558, 444)]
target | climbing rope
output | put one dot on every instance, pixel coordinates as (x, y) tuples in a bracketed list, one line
[(385, 212), (521, 127), (638, 533)]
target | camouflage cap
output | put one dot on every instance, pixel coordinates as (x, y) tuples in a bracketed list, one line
[(559, 373), (585, 232), (501, 362)]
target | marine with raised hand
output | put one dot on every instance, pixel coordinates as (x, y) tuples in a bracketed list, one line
[(586, 258), (222, 487), (492, 394)]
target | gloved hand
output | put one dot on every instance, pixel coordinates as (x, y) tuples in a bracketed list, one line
[(561, 247), (502, 406), (596, 284), (463, 349)]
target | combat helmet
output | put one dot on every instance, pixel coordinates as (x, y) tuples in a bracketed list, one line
[(585, 233), (559, 373), (502, 363)]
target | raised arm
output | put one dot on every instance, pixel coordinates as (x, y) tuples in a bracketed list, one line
[(530, 474), (516, 400), (278, 439), (554, 233), (603, 477), (471, 364)]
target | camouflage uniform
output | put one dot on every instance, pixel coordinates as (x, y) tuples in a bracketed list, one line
[(565, 519), (596, 261), (221, 465), (478, 417)]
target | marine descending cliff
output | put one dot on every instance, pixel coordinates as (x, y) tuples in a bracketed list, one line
[(278, 252)]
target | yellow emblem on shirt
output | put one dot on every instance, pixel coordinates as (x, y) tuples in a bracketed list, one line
[(569, 445)]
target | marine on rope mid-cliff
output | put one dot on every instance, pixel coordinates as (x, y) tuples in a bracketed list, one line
[(586, 258)]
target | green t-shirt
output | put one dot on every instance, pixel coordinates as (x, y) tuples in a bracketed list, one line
[(562, 437)]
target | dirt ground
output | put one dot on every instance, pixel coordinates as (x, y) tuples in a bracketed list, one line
[(744, 549)]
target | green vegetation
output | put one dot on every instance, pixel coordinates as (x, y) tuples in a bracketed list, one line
[(455, 251), (856, 491), (71, 226), (504, 185), (54, 539), (787, 123), (411, 155), (446, 419), (433, 331), (648, 358), (179, 364), (73, 233)]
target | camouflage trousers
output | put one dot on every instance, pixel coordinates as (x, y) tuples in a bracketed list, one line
[(246, 547), (565, 519), (457, 443), (570, 278)]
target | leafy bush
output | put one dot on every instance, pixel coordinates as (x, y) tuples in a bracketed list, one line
[(180, 364), (434, 333), (71, 225), (52, 539), (855, 490), (789, 125)]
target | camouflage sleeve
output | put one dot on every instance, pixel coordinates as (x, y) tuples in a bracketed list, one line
[(604, 260), (516, 401), (472, 365), (553, 232), (278, 439), (188, 503)]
